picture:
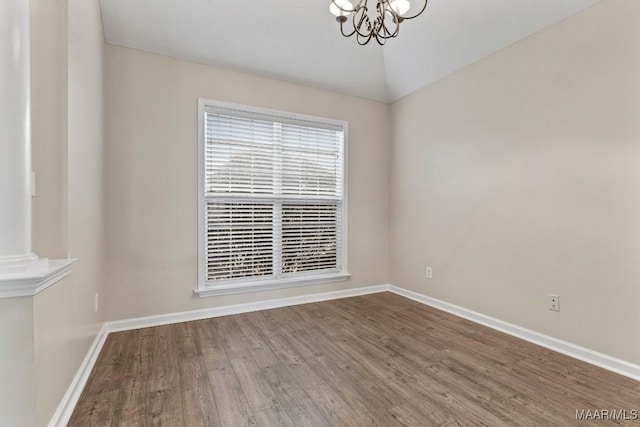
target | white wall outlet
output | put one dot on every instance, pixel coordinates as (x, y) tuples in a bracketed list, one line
[(554, 302), (429, 273), (96, 302)]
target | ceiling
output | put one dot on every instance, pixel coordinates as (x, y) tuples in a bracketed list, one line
[(299, 40)]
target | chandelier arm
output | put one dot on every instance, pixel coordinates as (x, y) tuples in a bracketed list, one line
[(395, 33), (387, 34), (381, 29), (386, 37), (367, 39), (381, 40), (342, 30), (424, 6), (364, 28), (364, 20)]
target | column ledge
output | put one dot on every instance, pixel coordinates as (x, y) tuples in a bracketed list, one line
[(30, 283)]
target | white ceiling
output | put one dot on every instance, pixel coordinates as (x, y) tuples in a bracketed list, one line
[(299, 40)]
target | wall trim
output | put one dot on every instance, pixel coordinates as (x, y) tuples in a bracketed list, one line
[(68, 403), (30, 283), (207, 313), (592, 357), (65, 409)]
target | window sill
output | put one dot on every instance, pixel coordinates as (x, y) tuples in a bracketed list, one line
[(256, 286)]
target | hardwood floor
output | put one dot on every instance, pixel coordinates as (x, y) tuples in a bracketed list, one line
[(375, 360)]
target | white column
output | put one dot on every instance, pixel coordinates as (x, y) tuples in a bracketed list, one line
[(15, 141)]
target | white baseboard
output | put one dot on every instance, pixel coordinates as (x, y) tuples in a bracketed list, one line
[(207, 313), (65, 409), (577, 352)]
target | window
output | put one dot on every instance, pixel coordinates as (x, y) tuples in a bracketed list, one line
[(272, 208)]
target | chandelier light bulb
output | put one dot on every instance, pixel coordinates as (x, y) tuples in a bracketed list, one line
[(341, 8), (400, 6)]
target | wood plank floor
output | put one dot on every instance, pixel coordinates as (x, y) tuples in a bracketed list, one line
[(375, 360)]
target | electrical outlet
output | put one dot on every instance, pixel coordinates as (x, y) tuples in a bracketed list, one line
[(96, 302), (553, 302), (429, 273)]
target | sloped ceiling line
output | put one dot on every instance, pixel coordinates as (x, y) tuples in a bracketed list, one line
[(299, 41)]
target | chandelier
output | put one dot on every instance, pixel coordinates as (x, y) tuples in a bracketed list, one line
[(381, 24)]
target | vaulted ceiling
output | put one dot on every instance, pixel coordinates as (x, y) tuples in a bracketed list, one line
[(299, 40)]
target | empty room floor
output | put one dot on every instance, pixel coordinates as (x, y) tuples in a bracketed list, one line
[(378, 359)]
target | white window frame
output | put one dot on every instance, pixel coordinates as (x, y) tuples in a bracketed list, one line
[(206, 288)]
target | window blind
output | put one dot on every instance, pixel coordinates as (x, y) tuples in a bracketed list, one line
[(273, 188)]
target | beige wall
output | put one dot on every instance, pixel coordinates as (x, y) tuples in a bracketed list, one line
[(17, 384), (151, 203), (49, 125), (519, 176), (513, 178), (65, 323)]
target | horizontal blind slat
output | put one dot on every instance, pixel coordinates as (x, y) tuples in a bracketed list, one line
[(253, 162), (239, 240)]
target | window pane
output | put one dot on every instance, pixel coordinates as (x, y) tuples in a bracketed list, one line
[(238, 156), (239, 240), (309, 237), (311, 161)]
